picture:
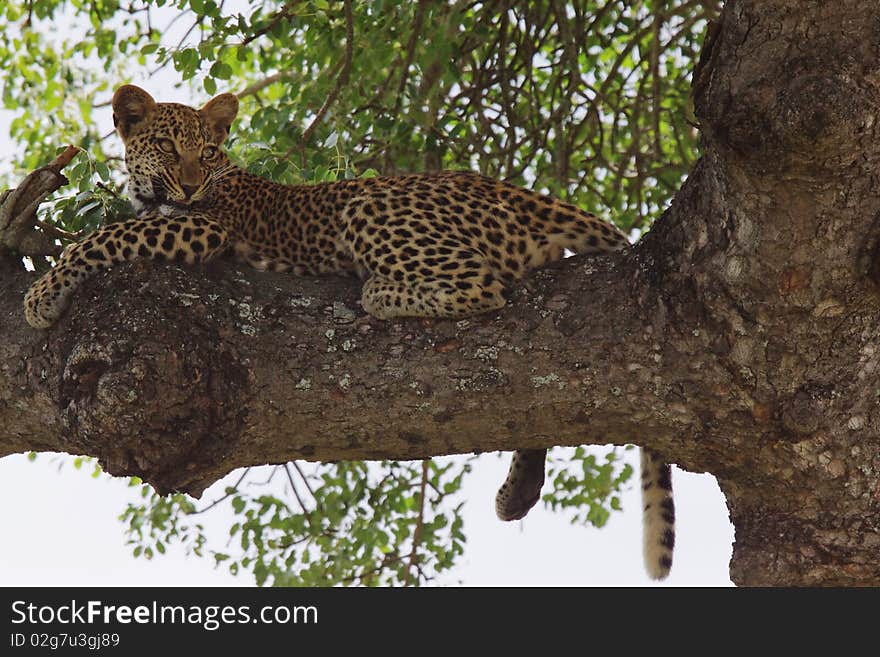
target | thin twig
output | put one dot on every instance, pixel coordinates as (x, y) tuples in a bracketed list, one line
[(58, 233), (655, 77), (341, 81), (295, 491), (280, 15), (410, 53), (225, 496), (387, 560), (420, 523), (268, 479), (306, 482), (258, 86)]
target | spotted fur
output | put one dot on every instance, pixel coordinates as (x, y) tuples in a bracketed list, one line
[(658, 520), (427, 245), (522, 488)]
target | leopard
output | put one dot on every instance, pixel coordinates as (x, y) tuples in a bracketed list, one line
[(447, 244)]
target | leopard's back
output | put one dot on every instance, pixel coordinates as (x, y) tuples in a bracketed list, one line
[(446, 244), (438, 216)]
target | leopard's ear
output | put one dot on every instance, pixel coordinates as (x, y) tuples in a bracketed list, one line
[(132, 108), (218, 114)]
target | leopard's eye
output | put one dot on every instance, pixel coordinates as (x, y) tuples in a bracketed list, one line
[(166, 146), (209, 152)]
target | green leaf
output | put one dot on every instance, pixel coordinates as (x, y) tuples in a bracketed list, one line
[(238, 504), (221, 70), (102, 170)]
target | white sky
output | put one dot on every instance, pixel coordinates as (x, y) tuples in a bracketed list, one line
[(61, 527)]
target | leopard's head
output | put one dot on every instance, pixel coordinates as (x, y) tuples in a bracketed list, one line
[(172, 152)]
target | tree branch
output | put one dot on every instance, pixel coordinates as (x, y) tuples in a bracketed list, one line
[(412, 562), (259, 85), (18, 209), (231, 328), (341, 81)]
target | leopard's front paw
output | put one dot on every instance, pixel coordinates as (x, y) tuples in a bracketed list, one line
[(45, 301)]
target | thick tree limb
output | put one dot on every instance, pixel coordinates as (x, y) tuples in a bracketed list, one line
[(247, 368), (740, 337)]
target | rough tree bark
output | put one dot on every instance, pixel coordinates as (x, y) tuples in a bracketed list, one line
[(739, 337)]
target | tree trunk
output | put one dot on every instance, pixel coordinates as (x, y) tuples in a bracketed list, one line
[(738, 337)]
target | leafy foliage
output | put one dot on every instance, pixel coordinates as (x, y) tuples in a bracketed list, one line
[(95, 199), (587, 485), (587, 100), (387, 523)]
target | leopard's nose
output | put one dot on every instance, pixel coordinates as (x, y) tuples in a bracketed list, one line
[(189, 190)]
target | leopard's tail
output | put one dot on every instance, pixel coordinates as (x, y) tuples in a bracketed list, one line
[(522, 488), (658, 524), (567, 227)]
